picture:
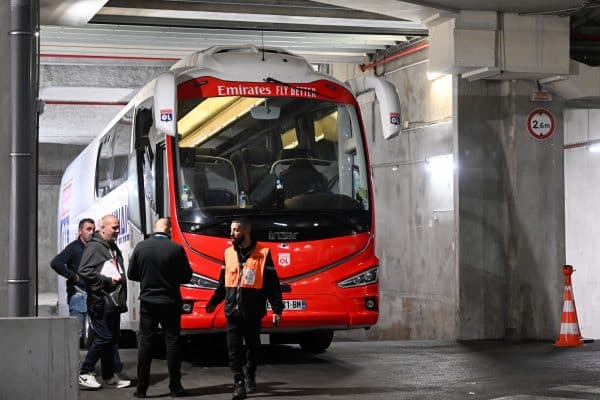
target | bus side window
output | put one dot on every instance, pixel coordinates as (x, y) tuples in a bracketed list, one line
[(113, 155), (104, 165)]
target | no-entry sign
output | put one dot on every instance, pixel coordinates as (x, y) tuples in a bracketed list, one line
[(540, 123)]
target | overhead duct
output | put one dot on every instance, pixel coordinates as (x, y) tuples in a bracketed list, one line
[(491, 45)]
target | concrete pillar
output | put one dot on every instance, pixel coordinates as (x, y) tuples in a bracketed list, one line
[(40, 358), (511, 213), (5, 149)]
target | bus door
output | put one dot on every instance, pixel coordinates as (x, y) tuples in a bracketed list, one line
[(148, 199)]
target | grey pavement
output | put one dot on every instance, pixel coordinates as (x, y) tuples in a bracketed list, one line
[(389, 370)]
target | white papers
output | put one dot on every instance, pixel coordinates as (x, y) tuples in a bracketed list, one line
[(110, 269)]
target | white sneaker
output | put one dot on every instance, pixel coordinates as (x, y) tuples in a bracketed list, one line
[(117, 382), (88, 381)]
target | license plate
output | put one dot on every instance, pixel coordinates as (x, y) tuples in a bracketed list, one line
[(292, 305)]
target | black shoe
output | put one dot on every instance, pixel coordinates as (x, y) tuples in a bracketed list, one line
[(239, 392), (139, 395), (250, 384), (179, 392)]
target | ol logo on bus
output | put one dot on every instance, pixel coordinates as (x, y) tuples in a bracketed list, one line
[(283, 259), (166, 115)]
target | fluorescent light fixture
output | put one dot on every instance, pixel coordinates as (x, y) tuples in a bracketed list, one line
[(221, 119), (440, 164), (260, 18), (553, 79), (432, 76), (594, 148), (481, 73)]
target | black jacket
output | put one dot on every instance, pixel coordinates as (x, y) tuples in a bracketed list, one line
[(66, 264), (160, 266), (95, 254), (252, 303)]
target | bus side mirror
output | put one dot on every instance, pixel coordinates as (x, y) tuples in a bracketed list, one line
[(165, 104), (389, 101)]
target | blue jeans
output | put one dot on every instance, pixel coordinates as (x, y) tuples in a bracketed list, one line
[(78, 309), (104, 346)]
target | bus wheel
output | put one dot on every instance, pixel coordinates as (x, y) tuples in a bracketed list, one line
[(88, 333), (316, 341)]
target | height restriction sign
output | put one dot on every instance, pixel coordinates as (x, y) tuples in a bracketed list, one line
[(541, 123)]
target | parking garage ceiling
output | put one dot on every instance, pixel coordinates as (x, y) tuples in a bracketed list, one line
[(147, 34), (324, 30)]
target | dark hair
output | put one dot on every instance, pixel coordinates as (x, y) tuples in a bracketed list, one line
[(86, 221), (242, 221)]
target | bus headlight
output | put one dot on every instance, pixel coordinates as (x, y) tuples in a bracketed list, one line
[(201, 282), (364, 278)]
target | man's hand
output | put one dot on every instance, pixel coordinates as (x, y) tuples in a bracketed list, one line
[(210, 308), (276, 319), (116, 281)]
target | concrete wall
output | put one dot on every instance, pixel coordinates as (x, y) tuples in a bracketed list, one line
[(511, 217), (415, 226), (53, 159), (5, 150), (40, 358), (582, 194)]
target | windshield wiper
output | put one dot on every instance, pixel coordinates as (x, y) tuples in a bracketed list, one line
[(335, 215), (216, 221)]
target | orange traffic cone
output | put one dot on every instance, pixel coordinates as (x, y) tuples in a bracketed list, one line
[(569, 327)]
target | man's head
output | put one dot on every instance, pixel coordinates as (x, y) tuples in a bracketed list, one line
[(86, 229), (241, 231), (109, 228), (163, 225)]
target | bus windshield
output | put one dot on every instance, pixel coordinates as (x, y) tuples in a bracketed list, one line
[(296, 162)]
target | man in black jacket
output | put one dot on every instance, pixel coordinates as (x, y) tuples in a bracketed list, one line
[(160, 266), (102, 269), (66, 264), (247, 280)]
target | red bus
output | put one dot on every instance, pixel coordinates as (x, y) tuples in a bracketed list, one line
[(255, 133)]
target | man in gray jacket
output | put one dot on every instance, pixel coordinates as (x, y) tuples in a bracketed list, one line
[(103, 271)]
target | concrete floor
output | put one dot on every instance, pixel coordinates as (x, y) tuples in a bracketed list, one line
[(390, 370)]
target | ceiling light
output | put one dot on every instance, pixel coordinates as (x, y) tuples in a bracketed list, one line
[(594, 148), (481, 73), (440, 164), (431, 76)]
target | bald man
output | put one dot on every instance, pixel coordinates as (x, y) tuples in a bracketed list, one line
[(160, 266), (103, 271)]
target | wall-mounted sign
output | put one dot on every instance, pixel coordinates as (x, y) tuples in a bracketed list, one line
[(541, 124), (541, 96)]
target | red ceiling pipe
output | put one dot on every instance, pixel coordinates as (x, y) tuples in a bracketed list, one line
[(581, 144), (109, 57), (410, 50)]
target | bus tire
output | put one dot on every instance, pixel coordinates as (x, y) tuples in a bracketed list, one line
[(316, 341)]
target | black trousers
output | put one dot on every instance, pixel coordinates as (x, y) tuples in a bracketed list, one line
[(238, 331), (169, 317)]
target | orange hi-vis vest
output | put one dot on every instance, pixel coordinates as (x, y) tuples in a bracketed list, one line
[(253, 271)]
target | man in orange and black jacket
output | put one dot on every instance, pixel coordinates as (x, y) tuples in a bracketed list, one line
[(248, 279)]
